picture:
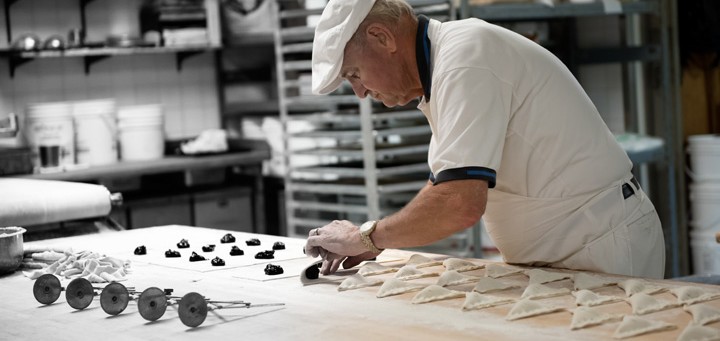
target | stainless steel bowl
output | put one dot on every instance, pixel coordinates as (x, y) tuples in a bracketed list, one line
[(11, 248), (27, 42), (55, 43)]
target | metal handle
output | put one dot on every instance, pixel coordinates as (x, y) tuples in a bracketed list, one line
[(9, 126), (116, 199)]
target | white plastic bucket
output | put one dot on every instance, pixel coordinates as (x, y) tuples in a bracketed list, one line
[(705, 205), (95, 132), (141, 132), (705, 253), (704, 157), (50, 134)]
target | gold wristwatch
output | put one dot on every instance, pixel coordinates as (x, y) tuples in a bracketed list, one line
[(366, 229)]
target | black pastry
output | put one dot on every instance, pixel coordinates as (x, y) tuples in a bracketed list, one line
[(183, 244), (279, 246), (273, 269), (217, 261), (172, 253), (236, 251), (313, 272), (140, 250), (195, 257), (269, 254), (208, 248), (228, 238), (252, 242)]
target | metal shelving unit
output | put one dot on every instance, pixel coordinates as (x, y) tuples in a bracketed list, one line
[(92, 55), (650, 89), (368, 161)]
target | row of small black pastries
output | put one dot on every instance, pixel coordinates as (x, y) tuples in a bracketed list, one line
[(235, 251), (228, 238), (268, 254), (270, 269)]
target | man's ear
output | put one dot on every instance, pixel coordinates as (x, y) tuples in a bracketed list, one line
[(379, 34)]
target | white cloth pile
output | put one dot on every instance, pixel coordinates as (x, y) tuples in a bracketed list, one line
[(95, 267), (209, 141)]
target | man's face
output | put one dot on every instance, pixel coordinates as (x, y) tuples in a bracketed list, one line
[(376, 71)]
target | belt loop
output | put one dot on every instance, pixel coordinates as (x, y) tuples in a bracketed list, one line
[(627, 188)]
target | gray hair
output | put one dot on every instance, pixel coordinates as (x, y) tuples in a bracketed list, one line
[(387, 12)]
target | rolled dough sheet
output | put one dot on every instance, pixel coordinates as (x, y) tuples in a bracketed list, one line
[(32, 202)]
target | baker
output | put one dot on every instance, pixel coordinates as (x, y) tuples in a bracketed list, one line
[(515, 141)]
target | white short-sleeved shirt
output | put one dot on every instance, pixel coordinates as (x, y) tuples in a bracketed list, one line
[(504, 109)]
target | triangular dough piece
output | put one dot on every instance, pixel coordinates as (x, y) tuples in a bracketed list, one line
[(488, 284), (497, 271), (460, 265), (453, 277), (587, 281), (395, 286), (692, 295), (644, 304), (527, 308), (542, 291), (589, 299), (703, 314), (636, 286), (357, 281), (474, 300), (421, 261), (436, 293), (409, 272), (633, 326), (542, 276), (699, 333), (586, 317), (373, 268)]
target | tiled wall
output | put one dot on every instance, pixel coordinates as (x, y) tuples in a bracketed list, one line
[(189, 97)]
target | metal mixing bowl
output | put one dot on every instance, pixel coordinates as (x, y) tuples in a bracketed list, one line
[(27, 42), (11, 248)]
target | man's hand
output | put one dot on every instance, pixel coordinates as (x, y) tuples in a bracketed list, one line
[(340, 237), (331, 261), (337, 243)]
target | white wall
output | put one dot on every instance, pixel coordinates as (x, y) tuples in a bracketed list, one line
[(189, 96), (603, 82)]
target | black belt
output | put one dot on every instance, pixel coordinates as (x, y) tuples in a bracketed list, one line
[(628, 190)]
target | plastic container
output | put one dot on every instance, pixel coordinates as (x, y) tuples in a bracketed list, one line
[(95, 132), (704, 157), (50, 134), (705, 253), (141, 133), (705, 205)]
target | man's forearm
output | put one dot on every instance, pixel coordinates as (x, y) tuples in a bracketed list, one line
[(435, 213)]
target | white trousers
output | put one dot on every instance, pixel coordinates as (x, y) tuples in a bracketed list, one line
[(634, 247)]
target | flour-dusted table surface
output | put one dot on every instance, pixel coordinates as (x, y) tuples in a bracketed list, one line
[(313, 312)]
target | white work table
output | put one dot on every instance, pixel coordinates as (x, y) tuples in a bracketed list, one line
[(313, 312)]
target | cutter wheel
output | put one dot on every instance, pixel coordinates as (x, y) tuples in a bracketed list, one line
[(114, 298), (152, 303), (79, 293), (193, 309), (47, 289)]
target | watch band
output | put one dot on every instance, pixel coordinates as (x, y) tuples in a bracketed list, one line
[(367, 241)]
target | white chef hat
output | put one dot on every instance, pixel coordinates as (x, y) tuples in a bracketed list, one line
[(338, 23)]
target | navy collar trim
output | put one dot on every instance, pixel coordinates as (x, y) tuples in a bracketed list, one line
[(422, 55)]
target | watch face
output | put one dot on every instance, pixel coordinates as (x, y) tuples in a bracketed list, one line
[(366, 226)]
